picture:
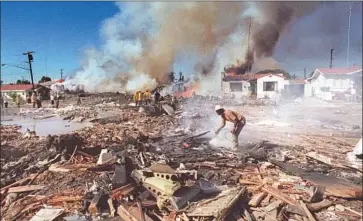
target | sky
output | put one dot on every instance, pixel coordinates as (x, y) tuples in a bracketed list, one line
[(60, 32)]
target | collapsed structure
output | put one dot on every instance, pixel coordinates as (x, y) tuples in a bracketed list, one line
[(159, 164)]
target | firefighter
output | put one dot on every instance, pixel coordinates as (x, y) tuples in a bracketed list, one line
[(147, 97), (138, 97), (237, 119)]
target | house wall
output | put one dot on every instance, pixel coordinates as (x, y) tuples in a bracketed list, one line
[(226, 89), (7, 93), (335, 83), (269, 94)]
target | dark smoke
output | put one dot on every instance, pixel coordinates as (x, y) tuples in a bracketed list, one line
[(265, 35)]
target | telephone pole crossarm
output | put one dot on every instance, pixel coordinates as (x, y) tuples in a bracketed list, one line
[(30, 59)]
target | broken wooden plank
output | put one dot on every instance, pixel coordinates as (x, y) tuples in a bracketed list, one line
[(58, 199), (266, 201), (334, 186), (276, 193), (20, 189), (31, 176), (256, 199), (347, 213), (272, 206), (131, 213), (315, 207), (306, 210), (353, 211), (246, 182)]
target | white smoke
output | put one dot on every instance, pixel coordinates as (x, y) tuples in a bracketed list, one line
[(144, 39)]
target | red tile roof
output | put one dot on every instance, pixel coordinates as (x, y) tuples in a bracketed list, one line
[(247, 77), (350, 70), (16, 87)]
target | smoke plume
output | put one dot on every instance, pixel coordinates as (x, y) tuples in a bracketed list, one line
[(143, 40)]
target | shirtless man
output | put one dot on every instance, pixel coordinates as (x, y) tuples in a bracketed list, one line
[(238, 120)]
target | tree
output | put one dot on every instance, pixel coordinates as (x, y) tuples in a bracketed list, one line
[(45, 79), (22, 82), (312, 73), (287, 75)]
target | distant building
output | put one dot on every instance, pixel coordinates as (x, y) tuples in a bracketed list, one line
[(24, 90), (294, 87), (326, 83), (260, 85)]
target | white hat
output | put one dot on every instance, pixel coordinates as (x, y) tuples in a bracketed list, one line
[(218, 107)]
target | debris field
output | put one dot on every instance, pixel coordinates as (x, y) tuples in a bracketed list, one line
[(155, 163)]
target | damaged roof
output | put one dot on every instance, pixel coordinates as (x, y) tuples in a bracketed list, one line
[(16, 87), (248, 77)]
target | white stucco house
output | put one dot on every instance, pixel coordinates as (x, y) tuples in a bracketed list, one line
[(260, 85), (268, 85), (325, 83), (24, 90)]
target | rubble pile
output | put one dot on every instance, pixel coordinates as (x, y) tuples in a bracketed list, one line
[(157, 164)]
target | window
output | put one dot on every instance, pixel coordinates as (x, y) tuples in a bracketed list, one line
[(236, 87), (270, 86)]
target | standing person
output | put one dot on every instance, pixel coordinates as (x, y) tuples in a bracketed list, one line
[(2, 101), (6, 102), (238, 120), (56, 100), (147, 97), (17, 100), (28, 99), (39, 100), (353, 93), (157, 97), (34, 98), (52, 99), (79, 100), (138, 97)]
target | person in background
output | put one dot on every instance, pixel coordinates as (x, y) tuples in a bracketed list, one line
[(156, 97), (34, 98), (138, 97), (52, 99), (6, 102), (2, 101), (28, 99), (18, 100), (56, 100), (147, 97), (238, 120), (353, 93), (39, 100), (79, 100)]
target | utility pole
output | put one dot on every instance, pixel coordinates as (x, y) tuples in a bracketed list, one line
[(61, 74), (348, 44), (304, 73), (249, 18), (30, 59), (331, 58)]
